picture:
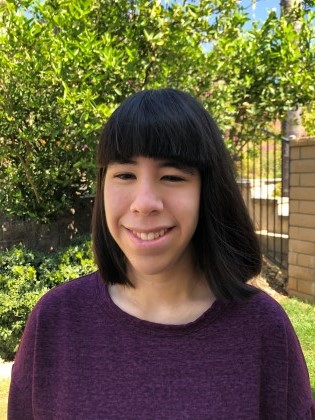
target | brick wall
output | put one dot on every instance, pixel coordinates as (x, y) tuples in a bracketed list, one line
[(301, 272)]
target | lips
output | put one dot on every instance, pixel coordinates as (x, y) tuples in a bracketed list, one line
[(149, 236)]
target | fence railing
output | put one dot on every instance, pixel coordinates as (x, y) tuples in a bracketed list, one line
[(260, 168)]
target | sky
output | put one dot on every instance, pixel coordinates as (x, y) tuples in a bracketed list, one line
[(258, 10)]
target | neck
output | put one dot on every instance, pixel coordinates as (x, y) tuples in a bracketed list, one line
[(172, 298)]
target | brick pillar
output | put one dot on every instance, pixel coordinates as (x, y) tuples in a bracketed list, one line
[(301, 268)]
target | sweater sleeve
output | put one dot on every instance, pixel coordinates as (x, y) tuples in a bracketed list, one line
[(310, 415), (285, 386), (20, 395), (20, 406)]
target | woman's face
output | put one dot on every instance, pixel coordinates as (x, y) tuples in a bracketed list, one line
[(152, 209)]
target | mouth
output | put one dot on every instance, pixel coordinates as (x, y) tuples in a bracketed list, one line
[(150, 236)]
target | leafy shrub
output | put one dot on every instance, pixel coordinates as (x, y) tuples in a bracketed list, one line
[(25, 276), (67, 264), (66, 65)]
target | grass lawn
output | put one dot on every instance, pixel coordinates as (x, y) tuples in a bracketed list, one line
[(4, 388), (302, 316)]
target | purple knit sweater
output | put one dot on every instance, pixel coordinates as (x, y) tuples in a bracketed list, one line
[(81, 357)]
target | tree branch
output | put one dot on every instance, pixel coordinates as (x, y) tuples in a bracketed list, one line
[(30, 178)]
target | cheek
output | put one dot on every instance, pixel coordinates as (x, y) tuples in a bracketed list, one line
[(194, 209), (110, 206), (194, 198), (115, 204), (188, 205)]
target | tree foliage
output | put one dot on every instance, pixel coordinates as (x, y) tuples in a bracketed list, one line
[(308, 118), (65, 65)]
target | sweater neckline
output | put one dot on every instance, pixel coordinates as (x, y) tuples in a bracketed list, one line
[(128, 321)]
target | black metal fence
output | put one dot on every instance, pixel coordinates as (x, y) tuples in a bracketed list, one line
[(263, 177)]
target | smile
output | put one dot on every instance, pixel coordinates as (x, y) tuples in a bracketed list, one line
[(149, 236)]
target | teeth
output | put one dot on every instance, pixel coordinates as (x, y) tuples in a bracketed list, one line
[(149, 236)]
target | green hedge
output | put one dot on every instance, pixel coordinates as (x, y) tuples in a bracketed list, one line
[(25, 276)]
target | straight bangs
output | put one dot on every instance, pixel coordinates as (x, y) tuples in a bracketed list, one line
[(155, 125)]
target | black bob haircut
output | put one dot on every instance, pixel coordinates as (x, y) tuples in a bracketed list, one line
[(170, 124)]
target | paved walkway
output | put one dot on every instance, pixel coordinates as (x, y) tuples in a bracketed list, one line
[(5, 370)]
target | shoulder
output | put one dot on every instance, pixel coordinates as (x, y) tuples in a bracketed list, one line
[(279, 344), (72, 294), (63, 309), (260, 308), (263, 317), (261, 301), (282, 363), (57, 315)]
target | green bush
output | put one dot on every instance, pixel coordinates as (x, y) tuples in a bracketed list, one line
[(67, 264), (66, 65), (25, 276)]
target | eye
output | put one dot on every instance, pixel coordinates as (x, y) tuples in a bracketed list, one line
[(173, 178), (125, 176)]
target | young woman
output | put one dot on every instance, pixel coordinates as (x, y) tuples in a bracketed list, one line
[(167, 328)]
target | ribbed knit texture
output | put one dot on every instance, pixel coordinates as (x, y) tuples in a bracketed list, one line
[(81, 357)]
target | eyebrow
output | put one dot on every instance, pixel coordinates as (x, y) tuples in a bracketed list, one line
[(170, 163), (177, 165)]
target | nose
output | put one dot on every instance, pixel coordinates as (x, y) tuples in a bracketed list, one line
[(147, 199)]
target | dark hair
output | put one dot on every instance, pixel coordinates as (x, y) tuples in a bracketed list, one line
[(170, 124)]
